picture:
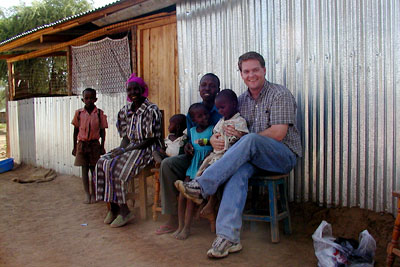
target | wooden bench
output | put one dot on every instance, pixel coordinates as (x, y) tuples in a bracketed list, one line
[(142, 192), (156, 202)]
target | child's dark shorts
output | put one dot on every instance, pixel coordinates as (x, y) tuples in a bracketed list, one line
[(87, 153)]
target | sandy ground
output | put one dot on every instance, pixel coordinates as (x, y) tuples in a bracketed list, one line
[(46, 224)]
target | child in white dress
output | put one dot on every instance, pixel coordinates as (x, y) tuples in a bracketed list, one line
[(175, 141)]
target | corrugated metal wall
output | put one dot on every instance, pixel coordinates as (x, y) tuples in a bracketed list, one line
[(340, 59), (41, 130), (22, 131)]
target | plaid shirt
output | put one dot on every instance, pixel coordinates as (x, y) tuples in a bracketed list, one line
[(274, 105)]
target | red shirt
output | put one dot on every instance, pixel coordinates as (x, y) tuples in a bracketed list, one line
[(88, 124)]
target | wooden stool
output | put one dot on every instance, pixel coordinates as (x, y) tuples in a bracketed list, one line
[(212, 217), (143, 174), (272, 183), (156, 203), (393, 247)]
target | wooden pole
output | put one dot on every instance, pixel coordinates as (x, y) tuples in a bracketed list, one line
[(11, 80), (69, 70), (133, 49), (9, 96)]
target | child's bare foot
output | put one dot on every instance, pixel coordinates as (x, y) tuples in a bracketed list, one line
[(177, 232), (183, 234)]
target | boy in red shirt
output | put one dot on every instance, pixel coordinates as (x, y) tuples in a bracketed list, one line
[(90, 123)]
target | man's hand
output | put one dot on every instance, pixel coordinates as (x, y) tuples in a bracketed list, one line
[(188, 149), (217, 142), (74, 151), (116, 152), (230, 131)]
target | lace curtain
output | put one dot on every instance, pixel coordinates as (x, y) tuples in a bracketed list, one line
[(102, 65)]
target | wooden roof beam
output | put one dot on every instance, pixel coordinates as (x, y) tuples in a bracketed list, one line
[(67, 25), (55, 54), (112, 29), (57, 38)]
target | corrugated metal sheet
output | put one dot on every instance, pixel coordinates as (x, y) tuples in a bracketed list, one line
[(22, 133), (340, 59), (54, 24), (41, 131)]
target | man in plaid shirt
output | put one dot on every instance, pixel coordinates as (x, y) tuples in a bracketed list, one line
[(273, 145)]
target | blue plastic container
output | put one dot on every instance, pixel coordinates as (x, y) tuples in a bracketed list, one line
[(6, 165)]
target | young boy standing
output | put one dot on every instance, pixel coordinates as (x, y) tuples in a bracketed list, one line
[(90, 123)]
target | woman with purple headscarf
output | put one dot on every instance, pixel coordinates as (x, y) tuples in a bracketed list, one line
[(139, 125)]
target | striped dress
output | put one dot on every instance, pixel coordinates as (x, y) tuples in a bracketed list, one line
[(112, 175)]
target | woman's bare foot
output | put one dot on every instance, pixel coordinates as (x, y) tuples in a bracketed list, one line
[(93, 199), (183, 234), (87, 200), (177, 232)]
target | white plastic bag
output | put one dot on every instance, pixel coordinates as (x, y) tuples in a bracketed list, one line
[(331, 254), (328, 253), (365, 251)]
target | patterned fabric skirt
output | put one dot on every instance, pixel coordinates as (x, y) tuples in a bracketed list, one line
[(112, 175)]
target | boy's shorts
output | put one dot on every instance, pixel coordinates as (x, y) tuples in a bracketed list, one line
[(87, 153)]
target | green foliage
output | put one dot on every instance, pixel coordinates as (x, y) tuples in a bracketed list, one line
[(22, 18), (40, 76)]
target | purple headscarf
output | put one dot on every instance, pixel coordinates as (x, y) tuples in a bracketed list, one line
[(138, 80)]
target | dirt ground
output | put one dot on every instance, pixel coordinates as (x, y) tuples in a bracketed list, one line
[(46, 224)]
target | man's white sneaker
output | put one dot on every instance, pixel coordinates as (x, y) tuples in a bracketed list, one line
[(221, 247)]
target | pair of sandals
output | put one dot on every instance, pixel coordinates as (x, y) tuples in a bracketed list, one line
[(118, 221)]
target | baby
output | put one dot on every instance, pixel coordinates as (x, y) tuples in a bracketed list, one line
[(175, 141)]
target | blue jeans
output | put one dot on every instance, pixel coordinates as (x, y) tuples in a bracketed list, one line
[(234, 169)]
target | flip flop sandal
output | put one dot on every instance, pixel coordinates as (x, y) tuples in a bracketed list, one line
[(165, 229), (121, 221)]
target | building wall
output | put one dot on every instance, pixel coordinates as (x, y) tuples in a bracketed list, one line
[(22, 131), (341, 61), (41, 133)]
